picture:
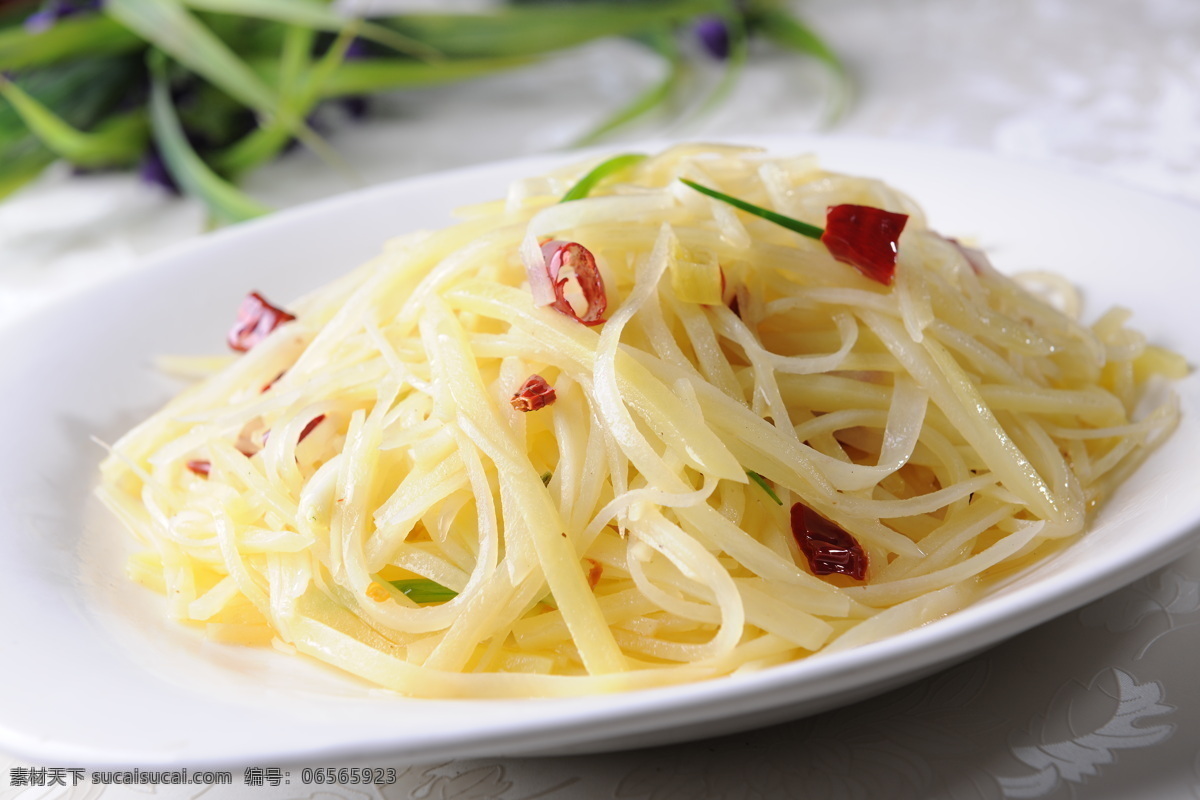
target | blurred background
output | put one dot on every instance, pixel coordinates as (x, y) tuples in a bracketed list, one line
[(127, 126)]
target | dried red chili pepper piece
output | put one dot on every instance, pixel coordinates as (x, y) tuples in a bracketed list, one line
[(200, 467), (866, 238), (255, 319), (312, 424), (828, 548), (272, 382), (595, 571), (535, 393), (249, 441), (572, 255)]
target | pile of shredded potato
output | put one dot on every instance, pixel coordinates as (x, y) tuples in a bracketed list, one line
[(369, 485)]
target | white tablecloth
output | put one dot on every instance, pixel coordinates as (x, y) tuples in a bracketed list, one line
[(1102, 703)]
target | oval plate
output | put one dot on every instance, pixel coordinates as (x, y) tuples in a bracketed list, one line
[(94, 675)]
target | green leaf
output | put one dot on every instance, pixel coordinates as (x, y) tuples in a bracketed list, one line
[(252, 150), (598, 173), (316, 15), (802, 228), (299, 85), (309, 92), (225, 201), (265, 142), (370, 75), (294, 56), (82, 93), (309, 13), (423, 590), (533, 31), (169, 26), (207, 113), (68, 39), (118, 141), (318, 74), (766, 487)]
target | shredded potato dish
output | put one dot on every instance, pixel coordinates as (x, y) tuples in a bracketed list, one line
[(651, 433)]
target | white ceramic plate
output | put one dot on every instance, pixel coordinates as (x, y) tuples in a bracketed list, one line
[(92, 675)]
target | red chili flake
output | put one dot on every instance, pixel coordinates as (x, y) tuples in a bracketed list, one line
[(255, 319), (828, 548), (249, 441), (866, 238), (595, 570), (560, 254), (200, 467), (272, 382), (313, 423), (535, 393)]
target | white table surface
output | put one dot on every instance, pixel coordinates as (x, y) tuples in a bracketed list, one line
[(1102, 703)]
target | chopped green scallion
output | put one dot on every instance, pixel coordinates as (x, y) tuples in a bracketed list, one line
[(423, 590), (802, 228), (766, 487), (598, 173)]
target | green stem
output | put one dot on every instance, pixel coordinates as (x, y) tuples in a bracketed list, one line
[(370, 75), (67, 40), (802, 228), (766, 487), (598, 173), (543, 28), (120, 140), (299, 86), (265, 141), (194, 177), (423, 590)]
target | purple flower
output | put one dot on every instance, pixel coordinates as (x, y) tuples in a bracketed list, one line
[(357, 49), (153, 170), (54, 10), (356, 106), (713, 33)]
